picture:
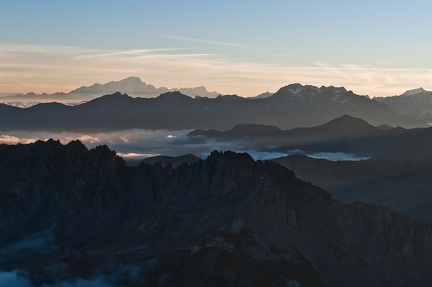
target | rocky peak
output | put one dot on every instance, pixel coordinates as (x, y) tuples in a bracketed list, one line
[(413, 92), (309, 93), (132, 80), (332, 89), (293, 89)]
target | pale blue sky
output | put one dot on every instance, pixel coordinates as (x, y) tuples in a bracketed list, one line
[(372, 47)]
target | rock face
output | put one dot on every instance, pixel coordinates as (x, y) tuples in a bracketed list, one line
[(71, 214)]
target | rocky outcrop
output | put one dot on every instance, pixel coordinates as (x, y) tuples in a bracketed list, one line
[(68, 213)]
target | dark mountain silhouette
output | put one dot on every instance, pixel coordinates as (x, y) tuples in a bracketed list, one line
[(67, 212), (292, 106), (416, 104), (344, 134), (132, 86), (343, 127), (340, 127), (401, 185), (239, 130)]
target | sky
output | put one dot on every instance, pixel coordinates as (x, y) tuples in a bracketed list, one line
[(378, 48)]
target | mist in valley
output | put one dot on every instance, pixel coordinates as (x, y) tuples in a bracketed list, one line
[(135, 145)]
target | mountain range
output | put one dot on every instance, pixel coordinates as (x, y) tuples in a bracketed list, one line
[(70, 215), (132, 86), (416, 104), (292, 106)]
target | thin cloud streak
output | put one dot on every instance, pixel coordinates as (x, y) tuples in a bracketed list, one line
[(42, 68), (134, 52), (206, 41)]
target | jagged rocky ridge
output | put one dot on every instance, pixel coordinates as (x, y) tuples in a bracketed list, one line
[(224, 221)]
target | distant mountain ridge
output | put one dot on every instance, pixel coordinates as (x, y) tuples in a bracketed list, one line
[(132, 86), (344, 134), (291, 107), (342, 127), (416, 104)]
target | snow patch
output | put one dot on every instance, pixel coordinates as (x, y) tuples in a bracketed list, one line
[(335, 98), (296, 90)]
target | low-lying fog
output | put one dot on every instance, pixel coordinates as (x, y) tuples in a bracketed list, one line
[(29, 103), (137, 144)]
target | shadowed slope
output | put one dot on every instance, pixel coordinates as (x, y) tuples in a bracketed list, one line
[(227, 221)]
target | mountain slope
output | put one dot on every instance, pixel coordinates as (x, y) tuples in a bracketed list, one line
[(416, 104), (69, 214), (401, 185)]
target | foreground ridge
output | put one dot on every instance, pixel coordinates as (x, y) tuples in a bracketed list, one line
[(227, 220)]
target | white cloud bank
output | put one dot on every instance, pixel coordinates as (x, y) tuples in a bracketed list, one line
[(47, 68)]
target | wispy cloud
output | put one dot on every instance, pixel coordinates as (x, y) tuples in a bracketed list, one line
[(210, 42), (133, 52)]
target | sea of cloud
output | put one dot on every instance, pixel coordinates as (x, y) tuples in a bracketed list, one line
[(137, 144), (44, 243)]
